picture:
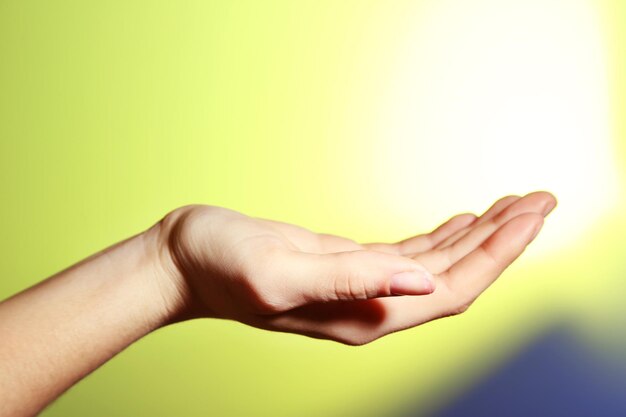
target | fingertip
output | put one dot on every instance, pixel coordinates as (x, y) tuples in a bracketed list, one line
[(461, 221), (550, 199), (551, 203), (470, 217)]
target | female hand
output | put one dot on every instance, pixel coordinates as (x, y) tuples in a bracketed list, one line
[(202, 261), (216, 262)]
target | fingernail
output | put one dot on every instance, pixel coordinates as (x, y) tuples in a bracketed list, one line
[(550, 205), (412, 283)]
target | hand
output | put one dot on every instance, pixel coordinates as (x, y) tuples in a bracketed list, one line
[(202, 261), (272, 275)]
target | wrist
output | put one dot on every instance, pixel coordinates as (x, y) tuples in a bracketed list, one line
[(171, 288)]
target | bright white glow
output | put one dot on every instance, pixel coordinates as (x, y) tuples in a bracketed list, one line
[(495, 97)]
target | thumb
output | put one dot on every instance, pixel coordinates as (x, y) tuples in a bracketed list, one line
[(355, 275)]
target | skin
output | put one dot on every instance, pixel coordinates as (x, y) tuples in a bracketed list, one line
[(211, 262)]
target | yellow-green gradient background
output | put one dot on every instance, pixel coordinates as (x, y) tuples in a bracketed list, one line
[(361, 118)]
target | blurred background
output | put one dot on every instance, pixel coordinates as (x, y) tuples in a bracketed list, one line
[(376, 120)]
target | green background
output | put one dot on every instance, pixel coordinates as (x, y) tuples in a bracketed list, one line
[(113, 113)]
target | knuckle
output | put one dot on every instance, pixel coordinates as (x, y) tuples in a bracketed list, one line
[(461, 305), (505, 214), (263, 299), (352, 286), (355, 283), (490, 255), (262, 292), (261, 287), (457, 302), (459, 309), (447, 255), (269, 305)]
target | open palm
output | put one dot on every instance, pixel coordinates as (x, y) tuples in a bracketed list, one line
[(282, 277)]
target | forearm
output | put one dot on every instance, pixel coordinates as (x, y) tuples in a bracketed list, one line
[(60, 330)]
